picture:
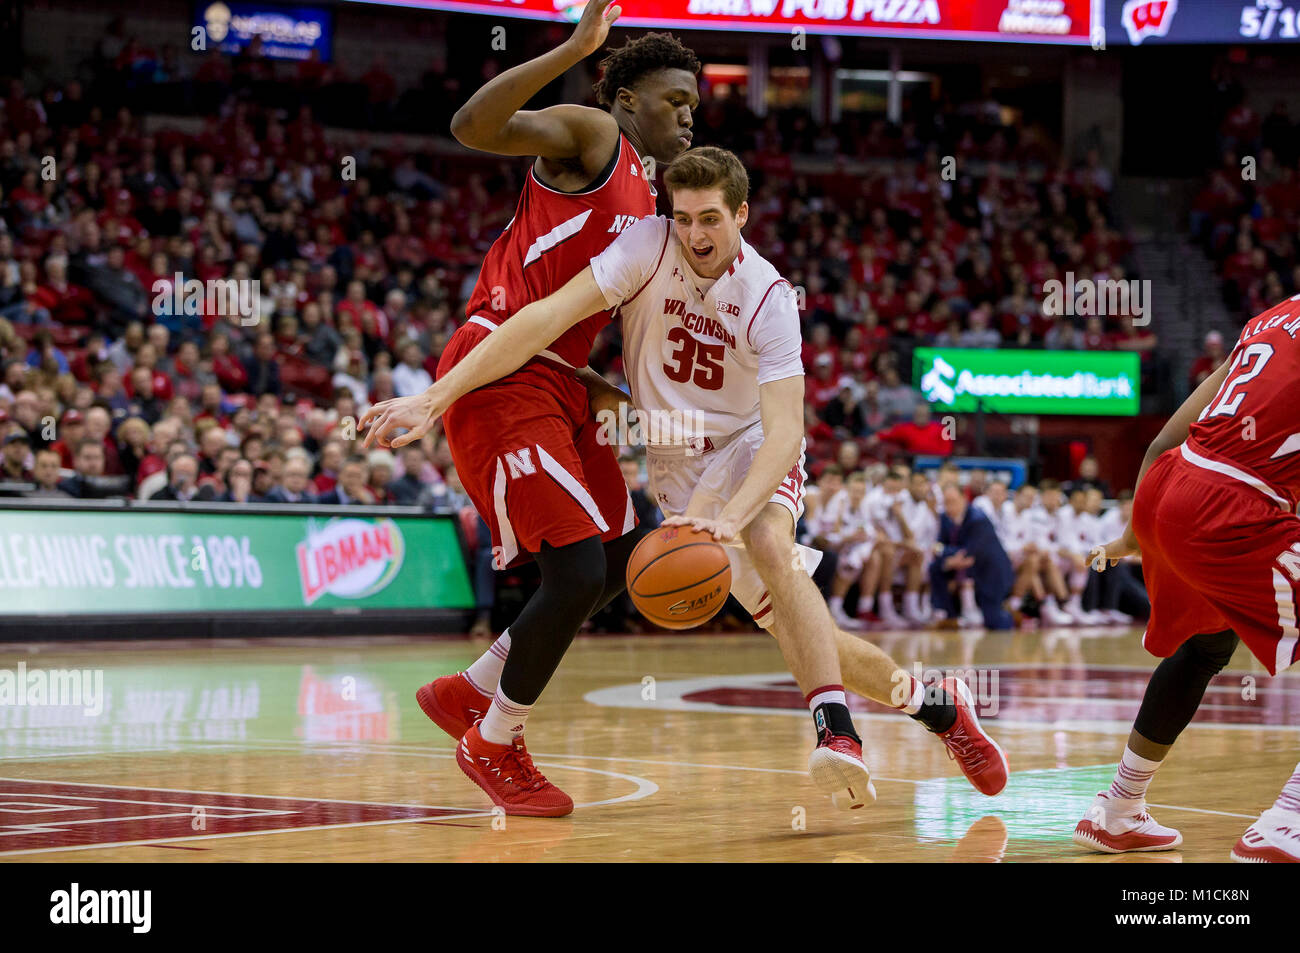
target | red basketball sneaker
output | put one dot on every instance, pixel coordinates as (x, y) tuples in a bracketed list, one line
[(507, 775), (1115, 825), (453, 704), (980, 758), (1273, 839), (836, 766)]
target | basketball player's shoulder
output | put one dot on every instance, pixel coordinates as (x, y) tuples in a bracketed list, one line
[(763, 291)]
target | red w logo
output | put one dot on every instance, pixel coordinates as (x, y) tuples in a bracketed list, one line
[(1143, 18)]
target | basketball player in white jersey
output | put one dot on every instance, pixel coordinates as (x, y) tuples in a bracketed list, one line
[(711, 335)]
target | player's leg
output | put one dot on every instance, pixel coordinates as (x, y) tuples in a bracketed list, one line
[(801, 623), (602, 478), (1117, 821), (850, 568), (885, 591), (912, 560), (1057, 592), (869, 582), (947, 710)]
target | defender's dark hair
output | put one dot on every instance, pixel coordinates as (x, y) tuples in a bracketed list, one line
[(625, 66)]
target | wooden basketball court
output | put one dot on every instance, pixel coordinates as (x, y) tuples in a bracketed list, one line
[(675, 748)]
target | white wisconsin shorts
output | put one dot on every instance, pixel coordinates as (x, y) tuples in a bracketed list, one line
[(703, 482)]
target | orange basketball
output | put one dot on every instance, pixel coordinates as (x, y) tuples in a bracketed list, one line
[(678, 577)]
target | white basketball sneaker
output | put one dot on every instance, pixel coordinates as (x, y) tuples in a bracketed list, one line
[(1050, 614), (1273, 839), (1118, 825), (846, 621)]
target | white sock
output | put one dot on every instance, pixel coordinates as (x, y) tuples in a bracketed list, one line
[(866, 603), (485, 673), (1133, 775), (1075, 603), (1014, 603), (914, 696), (837, 605), (829, 693), (968, 598), (1289, 799), (504, 720), (911, 603)]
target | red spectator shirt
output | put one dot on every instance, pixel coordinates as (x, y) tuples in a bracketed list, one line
[(928, 439)]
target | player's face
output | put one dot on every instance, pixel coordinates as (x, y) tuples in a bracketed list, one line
[(663, 104), (708, 230)]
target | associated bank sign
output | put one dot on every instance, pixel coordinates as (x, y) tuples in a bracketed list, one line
[(1028, 382)]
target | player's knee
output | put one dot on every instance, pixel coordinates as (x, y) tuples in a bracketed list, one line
[(576, 572), (770, 543), (1211, 651)]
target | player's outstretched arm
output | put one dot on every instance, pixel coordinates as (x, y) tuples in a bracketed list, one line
[(1173, 433), (504, 351), (494, 119)]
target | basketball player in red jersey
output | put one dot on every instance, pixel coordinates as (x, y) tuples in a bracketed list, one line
[(526, 447), (1214, 520)]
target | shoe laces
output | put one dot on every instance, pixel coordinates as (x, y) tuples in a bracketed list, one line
[(961, 746), (516, 766)]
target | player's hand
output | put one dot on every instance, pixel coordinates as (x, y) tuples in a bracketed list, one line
[(416, 414), (724, 531), (959, 560), (1102, 557), (593, 26)]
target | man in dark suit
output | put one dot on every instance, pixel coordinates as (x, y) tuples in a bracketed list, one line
[(182, 482), (972, 560), (295, 483), (351, 488)]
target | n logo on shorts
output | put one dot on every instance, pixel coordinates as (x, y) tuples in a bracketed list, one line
[(521, 463)]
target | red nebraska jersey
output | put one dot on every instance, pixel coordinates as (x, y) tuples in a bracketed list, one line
[(553, 236), (1253, 422)]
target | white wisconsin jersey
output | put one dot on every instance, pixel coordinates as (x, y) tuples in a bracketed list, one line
[(880, 505), (699, 350), (1002, 517), (820, 521), (1110, 525), (1039, 527), (843, 519), (922, 521)]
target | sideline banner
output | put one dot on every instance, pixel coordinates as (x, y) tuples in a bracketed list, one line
[(1010, 381), (104, 563), (1023, 21)]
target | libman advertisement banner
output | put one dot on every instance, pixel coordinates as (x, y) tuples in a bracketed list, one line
[(965, 380), (104, 563)]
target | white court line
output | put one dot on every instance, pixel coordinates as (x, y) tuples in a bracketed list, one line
[(644, 789), (670, 697), (348, 747)]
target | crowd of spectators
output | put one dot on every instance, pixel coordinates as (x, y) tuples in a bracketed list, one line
[(1246, 214), (108, 214)]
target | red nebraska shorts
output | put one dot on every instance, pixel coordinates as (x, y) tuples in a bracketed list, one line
[(1216, 554), (527, 453)]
